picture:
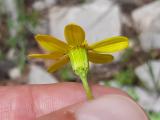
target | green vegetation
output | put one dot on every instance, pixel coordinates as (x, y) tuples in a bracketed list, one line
[(66, 73), (27, 20), (125, 77), (154, 116)]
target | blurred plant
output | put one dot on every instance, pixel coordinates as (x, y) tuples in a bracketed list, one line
[(132, 93), (26, 21), (154, 116), (1, 55), (67, 74), (125, 77), (1, 7), (127, 54)]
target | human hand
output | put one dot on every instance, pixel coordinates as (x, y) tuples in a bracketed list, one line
[(66, 101)]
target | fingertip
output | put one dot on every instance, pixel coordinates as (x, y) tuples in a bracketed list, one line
[(112, 107), (109, 107)]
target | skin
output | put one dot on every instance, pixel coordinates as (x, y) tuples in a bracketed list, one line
[(64, 101)]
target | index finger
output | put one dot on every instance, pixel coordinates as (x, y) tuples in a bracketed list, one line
[(31, 101)]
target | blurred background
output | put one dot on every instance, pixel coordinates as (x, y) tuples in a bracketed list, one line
[(136, 70)]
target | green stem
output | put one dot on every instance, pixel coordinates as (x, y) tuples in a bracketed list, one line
[(80, 65), (86, 87)]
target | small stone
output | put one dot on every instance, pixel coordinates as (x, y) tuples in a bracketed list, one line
[(144, 16), (43, 4), (111, 83), (156, 106), (38, 75), (149, 39), (143, 72), (99, 18), (14, 73), (50, 3), (11, 55), (39, 5), (147, 99), (43, 27)]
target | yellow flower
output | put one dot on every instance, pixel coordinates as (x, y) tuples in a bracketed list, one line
[(78, 51)]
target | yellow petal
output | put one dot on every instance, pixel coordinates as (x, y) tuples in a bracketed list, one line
[(53, 55), (58, 64), (51, 43), (74, 34), (110, 45), (99, 58)]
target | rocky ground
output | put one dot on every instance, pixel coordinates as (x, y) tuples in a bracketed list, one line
[(136, 70)]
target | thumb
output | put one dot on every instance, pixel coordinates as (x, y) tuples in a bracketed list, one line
[(110, 107)]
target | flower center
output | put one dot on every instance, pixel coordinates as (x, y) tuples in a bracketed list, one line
[(79, 61)]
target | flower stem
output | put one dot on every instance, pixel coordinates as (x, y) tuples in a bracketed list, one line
[(80, 65), (86, 87)]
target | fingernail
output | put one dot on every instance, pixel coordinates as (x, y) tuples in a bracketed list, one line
[(110, 107)]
